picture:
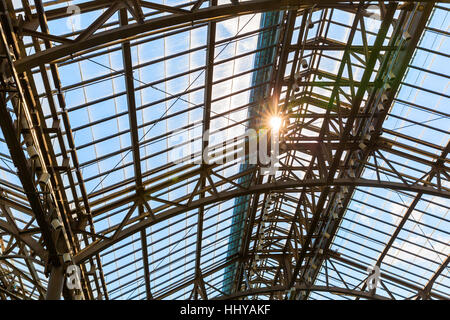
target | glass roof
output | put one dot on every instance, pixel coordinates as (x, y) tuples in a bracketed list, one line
[(126, 217)]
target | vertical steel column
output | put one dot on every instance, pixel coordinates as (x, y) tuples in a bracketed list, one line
[(344, 136), (267, 38), (394, 65), (209, 77), (55, 283), (131, 102)]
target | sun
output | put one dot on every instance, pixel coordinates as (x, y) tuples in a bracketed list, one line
[(275, 123)]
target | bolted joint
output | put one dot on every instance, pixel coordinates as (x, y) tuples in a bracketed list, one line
[(56, 224)]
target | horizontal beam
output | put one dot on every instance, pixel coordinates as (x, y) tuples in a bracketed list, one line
[(386, 276), (191, 281), (273, 289), (123, 33), (285, 186)]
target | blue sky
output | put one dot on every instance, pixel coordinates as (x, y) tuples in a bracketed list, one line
[(103, 96)]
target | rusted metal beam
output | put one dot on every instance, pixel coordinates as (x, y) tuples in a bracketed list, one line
[(125, 32), (313, 288), (286, 187), (209, 73)]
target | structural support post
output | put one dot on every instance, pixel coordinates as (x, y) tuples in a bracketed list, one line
[(132, 115), (55, 283)]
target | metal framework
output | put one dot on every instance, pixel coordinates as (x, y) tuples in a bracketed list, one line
[(106, 108)]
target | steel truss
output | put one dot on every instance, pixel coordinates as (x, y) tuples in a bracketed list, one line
[(332, 139)]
